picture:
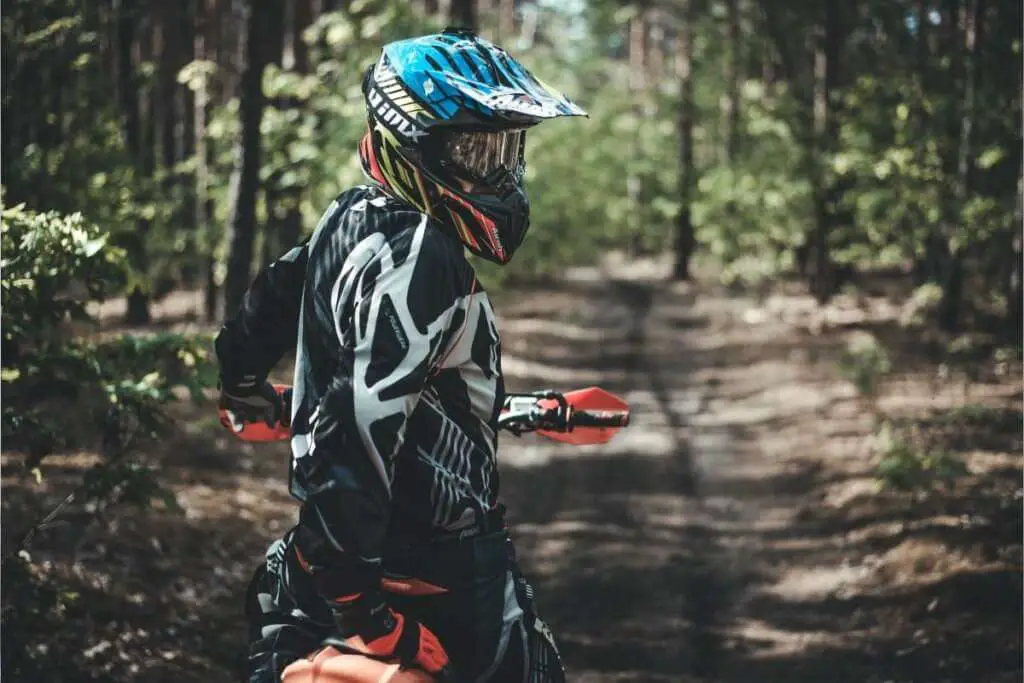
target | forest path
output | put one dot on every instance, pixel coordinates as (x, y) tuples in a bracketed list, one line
[(731, 534)]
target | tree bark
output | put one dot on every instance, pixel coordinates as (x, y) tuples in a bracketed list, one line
[(203, 49), (506, 19), (637, 83), (828, 48), (259, 16), (291, 229), (732, 81), (463, 13), (1015, 273), (280, 36), (953, 272), (128, 95), (685, 239)]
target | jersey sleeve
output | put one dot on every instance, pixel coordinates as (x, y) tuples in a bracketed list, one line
[(265, 327)]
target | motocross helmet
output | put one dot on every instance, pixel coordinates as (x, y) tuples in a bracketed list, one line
[(448, 115)]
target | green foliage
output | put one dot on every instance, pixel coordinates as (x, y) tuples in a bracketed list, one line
[(63, 390), (904, 465), (33, 604), (864, 363), (921, 306), (46, 256), (65, 145)]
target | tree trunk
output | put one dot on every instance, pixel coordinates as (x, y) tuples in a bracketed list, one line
[(280, 36), (184, 144), (828, 47), (732, 82), (203, 49), (128, 95), (637, 83), (506, 19), (259, 17), (685, 240), (462, 13), (953, 272), (1015, 273), (931, 268), (291, 229), (169, 109)]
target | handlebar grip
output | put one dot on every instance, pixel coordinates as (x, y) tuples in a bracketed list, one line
[(599, 418)]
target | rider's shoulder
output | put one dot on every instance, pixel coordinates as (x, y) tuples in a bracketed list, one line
[(408, 229)]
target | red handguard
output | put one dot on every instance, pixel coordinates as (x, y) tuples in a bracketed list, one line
[(259, 431)]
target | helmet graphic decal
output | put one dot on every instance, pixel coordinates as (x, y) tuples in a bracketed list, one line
[(448, 115)]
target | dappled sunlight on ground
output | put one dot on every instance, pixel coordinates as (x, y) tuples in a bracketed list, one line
[(736, 532)]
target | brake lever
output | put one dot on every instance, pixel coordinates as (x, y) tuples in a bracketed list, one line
[(527, 405)]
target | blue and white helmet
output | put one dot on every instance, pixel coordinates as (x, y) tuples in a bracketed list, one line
[(448, 114)]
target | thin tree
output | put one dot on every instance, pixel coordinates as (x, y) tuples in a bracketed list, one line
[(205, 39), (732, 81), (826, 63), (128, 95), (259, 17), (506, 19), (291, 229), (637, 84), (952, 274), (685, 241), (462, 13), (275, 54)]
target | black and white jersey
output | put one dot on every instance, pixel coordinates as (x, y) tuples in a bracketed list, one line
[(398, 380)]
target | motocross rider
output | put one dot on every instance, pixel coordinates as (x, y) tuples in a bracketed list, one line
[(400, 539)]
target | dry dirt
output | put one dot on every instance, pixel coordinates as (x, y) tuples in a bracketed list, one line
[(734, 533)]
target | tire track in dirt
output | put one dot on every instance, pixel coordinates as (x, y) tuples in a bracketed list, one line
[(619, 537), (704, 586)]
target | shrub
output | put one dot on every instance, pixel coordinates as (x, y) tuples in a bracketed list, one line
[(65, 392)]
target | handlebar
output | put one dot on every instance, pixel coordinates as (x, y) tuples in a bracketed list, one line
[(583, 416), (551, 411)]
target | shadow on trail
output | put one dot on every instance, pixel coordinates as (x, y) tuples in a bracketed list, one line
[(963, 628), (621, 562), (628, 570)]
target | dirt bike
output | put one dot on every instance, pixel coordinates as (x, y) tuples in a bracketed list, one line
[(581, 417)]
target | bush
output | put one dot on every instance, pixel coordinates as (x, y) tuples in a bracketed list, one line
[(62, 390), (907, 466), (65, 392), (864, 362)]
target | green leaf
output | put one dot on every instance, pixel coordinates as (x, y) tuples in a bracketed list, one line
[(990, 157)]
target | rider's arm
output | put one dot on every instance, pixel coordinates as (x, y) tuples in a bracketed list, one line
[(403, 314), (265, 327)]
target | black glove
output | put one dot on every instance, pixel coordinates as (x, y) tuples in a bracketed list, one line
[(387, 633), (249, 401)]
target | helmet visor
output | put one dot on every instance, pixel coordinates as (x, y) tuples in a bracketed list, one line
[(479, 154)]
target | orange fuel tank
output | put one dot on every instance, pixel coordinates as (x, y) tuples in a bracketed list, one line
[(331, 666)]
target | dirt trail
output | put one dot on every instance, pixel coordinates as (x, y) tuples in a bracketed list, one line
[(701, 544), (623, 539), (731, 534)]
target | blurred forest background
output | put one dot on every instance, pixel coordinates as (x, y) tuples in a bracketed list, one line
[(153, 147), (206, 136)]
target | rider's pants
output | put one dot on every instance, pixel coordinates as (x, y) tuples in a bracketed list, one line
[(485, 620)]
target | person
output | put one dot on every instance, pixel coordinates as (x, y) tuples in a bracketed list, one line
[(400, 538)]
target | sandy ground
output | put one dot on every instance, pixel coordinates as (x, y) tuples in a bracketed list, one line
[(734, 532)]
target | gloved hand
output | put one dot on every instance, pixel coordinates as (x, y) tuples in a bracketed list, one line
[(248, 402), (388, 633)]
